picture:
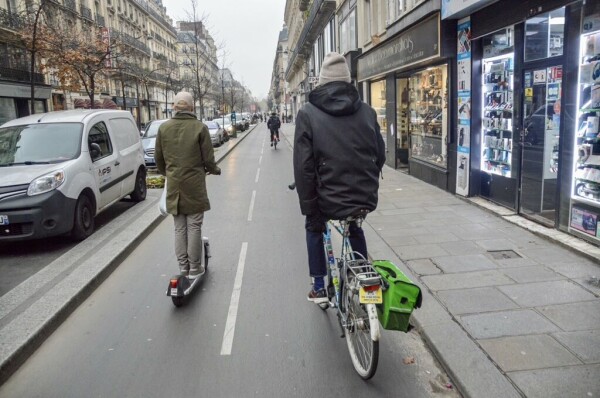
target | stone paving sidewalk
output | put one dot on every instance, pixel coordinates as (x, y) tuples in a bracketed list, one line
[(508, 311)]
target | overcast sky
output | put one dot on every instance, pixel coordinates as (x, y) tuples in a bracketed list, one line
[(249, 29)]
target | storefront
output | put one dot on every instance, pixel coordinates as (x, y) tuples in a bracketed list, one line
[(15, 100), (407, 82), (532, 129)]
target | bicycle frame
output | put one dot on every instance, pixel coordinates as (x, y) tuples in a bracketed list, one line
[(339, 269)]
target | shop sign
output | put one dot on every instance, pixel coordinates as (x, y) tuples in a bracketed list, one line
[(460, 8), (415, 45), (464, 64), (129, 102)]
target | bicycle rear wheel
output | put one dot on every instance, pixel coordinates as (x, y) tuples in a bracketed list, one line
[(362, 331)]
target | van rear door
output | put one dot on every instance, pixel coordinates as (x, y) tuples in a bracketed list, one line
[(130, 152)]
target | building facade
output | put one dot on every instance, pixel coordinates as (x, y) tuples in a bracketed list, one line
[(481, 98)]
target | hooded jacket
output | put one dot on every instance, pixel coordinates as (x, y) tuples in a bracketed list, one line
[(338, 153), (184, 153)]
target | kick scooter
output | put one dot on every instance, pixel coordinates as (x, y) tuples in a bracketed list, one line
[(181, 286)]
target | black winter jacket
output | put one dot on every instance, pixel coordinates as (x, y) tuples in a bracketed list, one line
[(338, 153)]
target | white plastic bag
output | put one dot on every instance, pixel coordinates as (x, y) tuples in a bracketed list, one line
[(162, 202)]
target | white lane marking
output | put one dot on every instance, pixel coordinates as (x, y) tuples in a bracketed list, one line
[(257, 175), (251, 209), (260, 160), (234, 303)]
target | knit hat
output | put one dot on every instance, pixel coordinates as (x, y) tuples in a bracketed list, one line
[(334, 69), (183, 101)]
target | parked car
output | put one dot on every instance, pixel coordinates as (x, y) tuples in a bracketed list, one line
[(149, 141), (216, 133), (58, 170), (225, 123)]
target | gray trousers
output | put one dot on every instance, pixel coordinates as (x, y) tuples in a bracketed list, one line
[(188, 241)]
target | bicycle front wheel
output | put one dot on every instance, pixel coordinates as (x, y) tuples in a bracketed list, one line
[(362, 333)]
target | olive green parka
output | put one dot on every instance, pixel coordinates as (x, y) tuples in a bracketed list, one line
[(184, 154)]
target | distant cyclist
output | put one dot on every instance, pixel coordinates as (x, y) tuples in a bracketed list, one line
[(338, 156), (274, 124)]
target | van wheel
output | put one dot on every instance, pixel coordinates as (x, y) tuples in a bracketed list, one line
[(83, 223), (139, 192)]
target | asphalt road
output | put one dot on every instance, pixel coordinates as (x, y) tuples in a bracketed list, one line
[(248, 330)]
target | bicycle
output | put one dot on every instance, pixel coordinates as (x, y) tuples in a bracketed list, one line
[(274, 140), (354, 289)]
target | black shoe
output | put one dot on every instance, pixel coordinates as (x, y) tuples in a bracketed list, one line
[(317, 297), (271, 143)]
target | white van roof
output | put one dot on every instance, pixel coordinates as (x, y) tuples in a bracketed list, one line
[(70, 116)]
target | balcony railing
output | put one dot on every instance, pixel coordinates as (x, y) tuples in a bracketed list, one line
[(20, 75), (133, 42), (9, 19)]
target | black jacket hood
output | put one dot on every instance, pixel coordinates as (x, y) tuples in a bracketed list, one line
[(336, 98)]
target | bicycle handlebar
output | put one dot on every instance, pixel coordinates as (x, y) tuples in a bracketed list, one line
[(292, 186)]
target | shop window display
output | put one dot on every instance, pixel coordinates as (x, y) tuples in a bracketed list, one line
[(428, 110), (378, 102), (497, 120), (585, 209)]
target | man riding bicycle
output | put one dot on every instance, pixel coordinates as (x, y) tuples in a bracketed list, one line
[(274, 124), (338, 156)]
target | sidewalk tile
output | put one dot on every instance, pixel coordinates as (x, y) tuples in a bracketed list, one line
[(514, 262), (536, 273), (574, 381), (551, 254), (423, 267), (585, 344), (466, 280), (574, 316), (418, 251), (497, 244), (472, 301), (439, 237), (546, 293), (528, 352), (579, 269), (506, 323), (469, 262), (462, 247), (589, 283)]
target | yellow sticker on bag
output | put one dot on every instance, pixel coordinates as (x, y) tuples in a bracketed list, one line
[(370, 297)]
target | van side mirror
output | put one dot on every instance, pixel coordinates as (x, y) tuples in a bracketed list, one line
[(95, 150)]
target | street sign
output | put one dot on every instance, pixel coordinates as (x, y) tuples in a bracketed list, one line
[(233, 117), (313, 79)]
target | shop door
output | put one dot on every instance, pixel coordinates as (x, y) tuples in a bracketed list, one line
[(540, 154)]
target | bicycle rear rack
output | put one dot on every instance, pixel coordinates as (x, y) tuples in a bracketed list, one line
[(364, 272)]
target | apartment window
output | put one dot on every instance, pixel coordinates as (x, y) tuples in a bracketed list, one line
[(368, 27), (328, 38), (348, 32)]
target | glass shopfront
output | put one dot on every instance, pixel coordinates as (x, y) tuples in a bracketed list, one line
[(428, 115), (378, 102)]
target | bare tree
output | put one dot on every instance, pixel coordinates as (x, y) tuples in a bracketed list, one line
[(81, 54), (198, 61)]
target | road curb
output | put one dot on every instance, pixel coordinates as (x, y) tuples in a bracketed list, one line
[(26, 332)]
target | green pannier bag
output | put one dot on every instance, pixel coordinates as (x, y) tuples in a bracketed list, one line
[(399, 299)]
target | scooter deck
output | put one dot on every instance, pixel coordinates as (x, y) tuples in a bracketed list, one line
[(184, 285)]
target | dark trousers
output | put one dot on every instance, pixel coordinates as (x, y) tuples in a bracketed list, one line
[(274, 133), (317, 264)]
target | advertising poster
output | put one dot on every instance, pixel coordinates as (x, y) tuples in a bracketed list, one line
[(584, 221), (463, 108)]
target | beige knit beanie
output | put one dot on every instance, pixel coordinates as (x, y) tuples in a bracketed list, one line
[(334, 69)]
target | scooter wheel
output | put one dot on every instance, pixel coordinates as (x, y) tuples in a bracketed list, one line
[(177, 301)]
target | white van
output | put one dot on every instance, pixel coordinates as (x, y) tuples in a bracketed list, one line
[(59, 169)]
